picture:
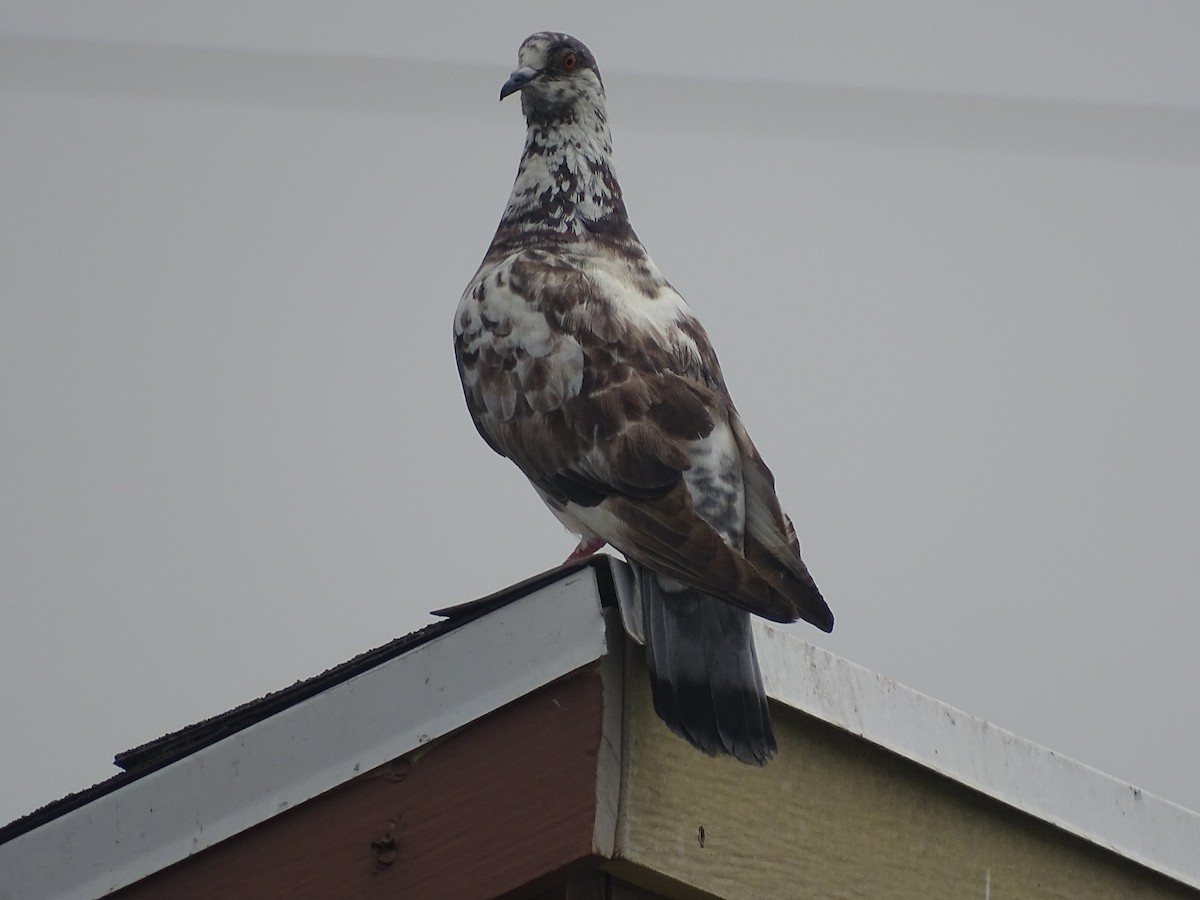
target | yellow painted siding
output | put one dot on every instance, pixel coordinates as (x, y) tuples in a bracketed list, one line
[(835, 817)]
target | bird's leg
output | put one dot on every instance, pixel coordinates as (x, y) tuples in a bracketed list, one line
[(587, 546)]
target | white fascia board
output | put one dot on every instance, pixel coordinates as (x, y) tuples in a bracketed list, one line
[(310, 748), (1158, 834), (1152, 831)]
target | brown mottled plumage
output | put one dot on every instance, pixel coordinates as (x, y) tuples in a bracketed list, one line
[(582, 365)]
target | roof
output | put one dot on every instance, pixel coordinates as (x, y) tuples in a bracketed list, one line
[(281, 750), (169, 748)]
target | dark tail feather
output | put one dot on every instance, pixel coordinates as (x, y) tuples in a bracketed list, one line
[(704, 672)]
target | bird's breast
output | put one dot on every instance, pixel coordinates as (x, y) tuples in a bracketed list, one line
[(512, 359)]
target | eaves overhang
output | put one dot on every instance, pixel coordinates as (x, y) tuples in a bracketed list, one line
[(197, 787)]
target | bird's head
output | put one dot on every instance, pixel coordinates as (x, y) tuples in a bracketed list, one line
[(555, 73)]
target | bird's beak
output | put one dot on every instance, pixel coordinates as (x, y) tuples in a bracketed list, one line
[(518, 80)]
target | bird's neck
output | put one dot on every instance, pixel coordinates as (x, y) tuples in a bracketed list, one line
[(566, 190)]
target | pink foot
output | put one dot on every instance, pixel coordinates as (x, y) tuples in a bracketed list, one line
[(586, 548)]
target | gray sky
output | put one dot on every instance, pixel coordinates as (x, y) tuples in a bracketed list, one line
[(948, 257)]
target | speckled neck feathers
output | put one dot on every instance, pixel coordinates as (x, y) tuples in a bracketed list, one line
[(566, 190)]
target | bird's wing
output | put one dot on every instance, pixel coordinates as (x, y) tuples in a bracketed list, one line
[(558, 380), (771, 543), (599, 398)]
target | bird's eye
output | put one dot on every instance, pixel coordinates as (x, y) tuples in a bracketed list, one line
[(569, 61)]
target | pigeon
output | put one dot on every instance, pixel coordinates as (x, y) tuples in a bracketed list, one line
[(581, 364)]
